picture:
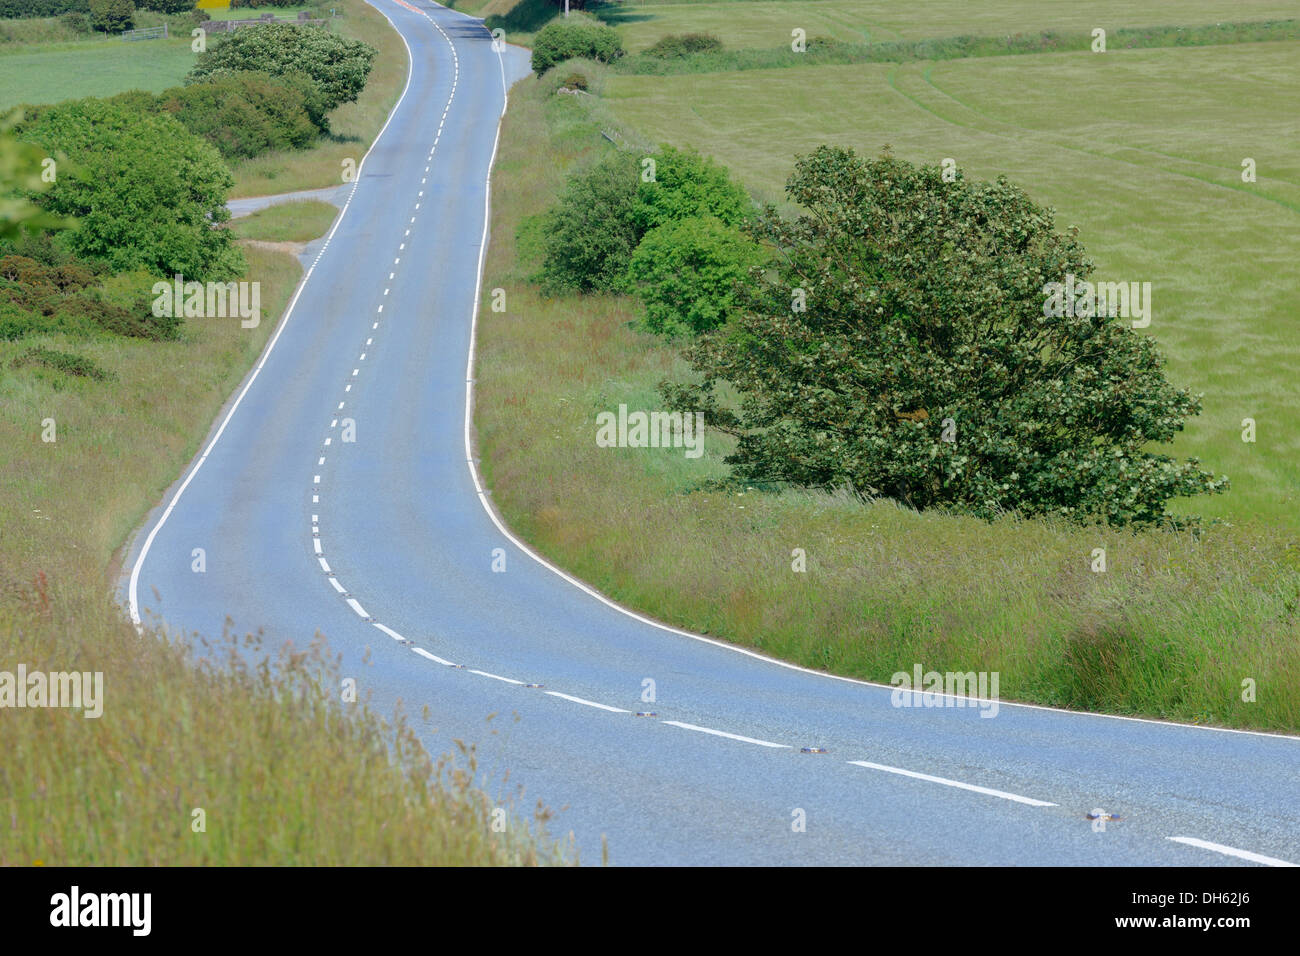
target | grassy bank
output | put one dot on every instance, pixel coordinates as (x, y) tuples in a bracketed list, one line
[(281, 774), (1171, 629)]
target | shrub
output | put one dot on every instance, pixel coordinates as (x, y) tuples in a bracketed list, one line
[(244, 114), (920, 362), (687, 184), (66, 362), (146, 191), (563, 40), (337, 65), (167, 6), (687, 273), (25, 9), (684, 44), (574, 81), (76, 21), (69, 298), (605, 210), (112, 16), (591, 233)]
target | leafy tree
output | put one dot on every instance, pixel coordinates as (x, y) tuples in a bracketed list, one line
[(687, 273), (337, 65), (112, 16), (146, 192), (21, 165), (563, 40), (902, 348)]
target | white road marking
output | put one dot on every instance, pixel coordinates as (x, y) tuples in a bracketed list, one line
[(953, 783), (324, 566), (338, 587), (361, 612), (315, 543), (723, 733), (589, 703), (433, 657), (508, 680), (1233, 851)]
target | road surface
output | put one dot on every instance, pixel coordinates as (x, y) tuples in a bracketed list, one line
[(380, 336)]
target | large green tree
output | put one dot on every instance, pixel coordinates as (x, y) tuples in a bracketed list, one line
[(337, 65), (901, 347), (146, 192)]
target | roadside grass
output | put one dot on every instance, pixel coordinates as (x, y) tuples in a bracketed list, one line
[(1171, 629), (354, 125), (286, 222), (1147, 163), (282, 775), (739, 23)]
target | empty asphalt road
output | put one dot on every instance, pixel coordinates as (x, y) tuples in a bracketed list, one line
[(385, 544)]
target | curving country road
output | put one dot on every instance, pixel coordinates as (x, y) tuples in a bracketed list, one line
[(386, 546)]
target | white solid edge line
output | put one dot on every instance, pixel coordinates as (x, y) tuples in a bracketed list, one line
[(589, 703), (133, 587), (954, 783), (723, 733), (508, 680), (1233, 851)]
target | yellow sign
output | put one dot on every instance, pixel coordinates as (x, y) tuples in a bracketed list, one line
[(214, 4)]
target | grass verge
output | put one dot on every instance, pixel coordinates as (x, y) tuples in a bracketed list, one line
[(1196, 629), (286, 222)]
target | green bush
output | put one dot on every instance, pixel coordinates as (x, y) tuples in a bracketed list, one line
[(903, 348), (244, 114), (565, 39), (112, 16), (146, 191), (76, 21), (167, 6), (25, 9), (605, 210), (684, 44), (687, 273), (590, 234), (687, 184), (66, 362), (337, 65), (574, 81), (70, 298)]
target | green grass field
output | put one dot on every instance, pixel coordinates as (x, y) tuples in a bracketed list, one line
[(1147, 162), (1142, 150), (768, 24), (49, 73)]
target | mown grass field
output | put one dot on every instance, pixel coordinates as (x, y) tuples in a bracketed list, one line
[(49, 73), (1146, 161), (738, 23), (198, 758)]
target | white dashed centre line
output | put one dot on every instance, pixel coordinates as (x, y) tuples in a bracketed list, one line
[(953, 783), (723, 733), (589, 703), (1232, 851)]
